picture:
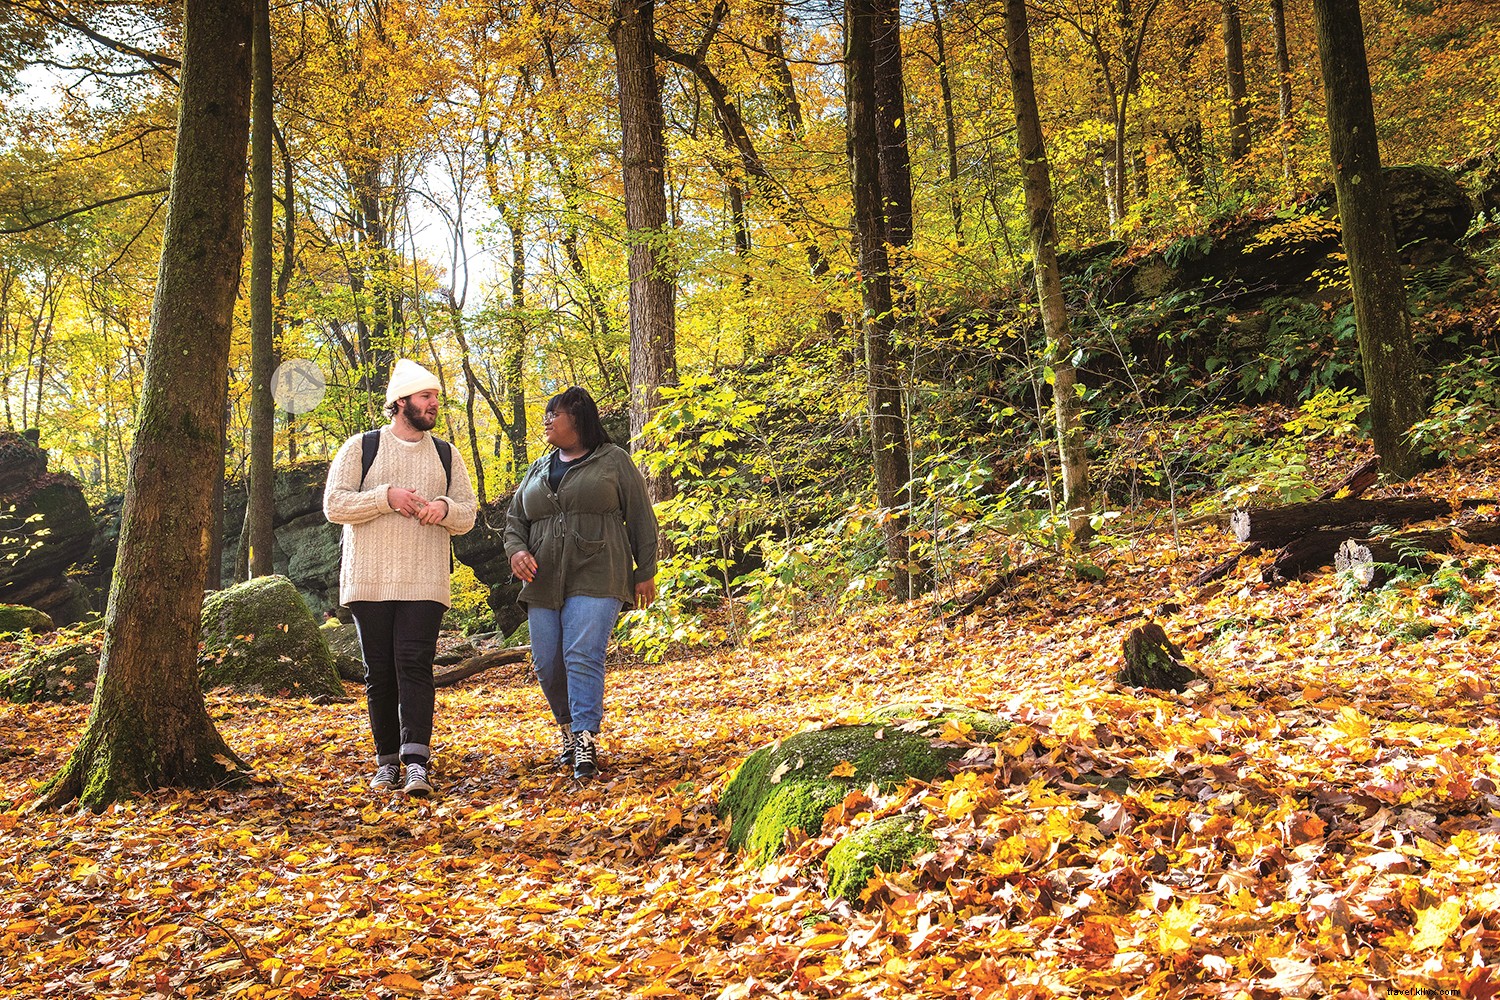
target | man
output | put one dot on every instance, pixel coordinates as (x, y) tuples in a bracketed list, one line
[(400, 493)]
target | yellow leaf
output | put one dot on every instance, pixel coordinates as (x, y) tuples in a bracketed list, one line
[(1436, 924), (829, 939), (657, 989), (843, 769), (1174, 935), (955, 730)]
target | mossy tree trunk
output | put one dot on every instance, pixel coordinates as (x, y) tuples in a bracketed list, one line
[(653, 284), (260, 509), (1234, 69), (149, 727), (1380, 317), (1036, 182), (879, 224)]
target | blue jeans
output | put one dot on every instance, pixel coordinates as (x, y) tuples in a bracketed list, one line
[(567, 650)]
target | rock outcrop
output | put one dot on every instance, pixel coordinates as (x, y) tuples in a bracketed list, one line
[(483, 550), (259, 636), (46, 527)]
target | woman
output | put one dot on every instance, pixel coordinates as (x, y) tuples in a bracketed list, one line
[(581, 536)]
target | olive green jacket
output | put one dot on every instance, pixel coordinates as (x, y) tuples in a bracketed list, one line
[(595, 536)]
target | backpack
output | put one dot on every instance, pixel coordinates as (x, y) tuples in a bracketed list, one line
[(369, 447)]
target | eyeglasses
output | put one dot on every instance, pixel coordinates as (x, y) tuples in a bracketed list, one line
[(552, 415)]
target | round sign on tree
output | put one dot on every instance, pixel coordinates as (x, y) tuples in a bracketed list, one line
[(298, 385)]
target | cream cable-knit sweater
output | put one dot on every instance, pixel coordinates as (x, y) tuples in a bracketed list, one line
[(389, 557)]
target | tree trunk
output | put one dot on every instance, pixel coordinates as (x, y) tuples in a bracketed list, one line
[(955, 200), (258, 513), (653, 289), (1283, 62), (1036, 180), (1384, 329), (863, 23), (149, 727), (1234, 65), (515, 354)]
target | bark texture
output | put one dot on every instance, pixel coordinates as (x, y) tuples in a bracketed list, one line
[(866, 21), (262, 476), (149, 727), (653, 287), (1036, 180), (1384, 329), (1234, 68)]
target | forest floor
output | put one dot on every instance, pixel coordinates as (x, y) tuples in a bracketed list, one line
[(1318, 818)]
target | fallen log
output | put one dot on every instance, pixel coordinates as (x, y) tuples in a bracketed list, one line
[(1223, 569), (999, 584), (1278, 526), (1371, 561), (478, 664), (1356, 482)]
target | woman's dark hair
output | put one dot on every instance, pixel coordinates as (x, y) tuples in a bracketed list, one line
[(579, 405)]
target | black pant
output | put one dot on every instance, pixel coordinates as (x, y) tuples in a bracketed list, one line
[(398, 640)]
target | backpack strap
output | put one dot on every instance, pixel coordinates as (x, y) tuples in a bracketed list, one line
[(369, 446), (445, 455)]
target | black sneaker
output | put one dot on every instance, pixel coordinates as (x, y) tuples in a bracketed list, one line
[(565, 759), (417, 781), (584, 753), (386, 777)]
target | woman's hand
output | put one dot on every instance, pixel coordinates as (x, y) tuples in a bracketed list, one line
[(523, 564), (645, 592)]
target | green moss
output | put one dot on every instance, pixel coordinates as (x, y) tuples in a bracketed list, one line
[(66, 674), (20, 618), (788, 783), (886, 844), (260, 636), (984, 725), (520, 637)]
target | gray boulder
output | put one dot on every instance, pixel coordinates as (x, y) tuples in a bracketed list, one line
[(343, 643), (260, 636), (792, 783), (20, 618), (61, 675), (45, 529), (483, 550)]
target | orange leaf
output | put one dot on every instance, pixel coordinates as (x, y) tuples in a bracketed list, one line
[(843, 769)]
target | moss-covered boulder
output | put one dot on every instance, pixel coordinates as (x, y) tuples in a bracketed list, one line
[(795, 781), (343, 643), (260, 636), (20, 618), (886, 844), (66, 674)]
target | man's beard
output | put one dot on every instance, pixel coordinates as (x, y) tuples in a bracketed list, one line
[(417, 418)]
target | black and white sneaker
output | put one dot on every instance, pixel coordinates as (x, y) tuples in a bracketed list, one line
[(386, 778), (417, 781), (584, 755)]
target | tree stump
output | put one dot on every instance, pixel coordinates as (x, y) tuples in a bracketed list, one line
[(1154, 661)]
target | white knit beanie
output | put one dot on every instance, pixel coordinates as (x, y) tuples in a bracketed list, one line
[(408, 378)]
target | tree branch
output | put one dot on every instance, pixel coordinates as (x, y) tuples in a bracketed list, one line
[(11, 230)]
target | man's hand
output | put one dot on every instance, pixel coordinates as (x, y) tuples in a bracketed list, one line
[(407, 503), (645, 592), (433, 513), (523, 564)]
